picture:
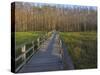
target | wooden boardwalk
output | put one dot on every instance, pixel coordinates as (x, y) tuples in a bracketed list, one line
[(48, 58)]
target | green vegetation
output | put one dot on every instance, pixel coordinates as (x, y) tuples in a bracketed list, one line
[(82, 47), (22, 37)]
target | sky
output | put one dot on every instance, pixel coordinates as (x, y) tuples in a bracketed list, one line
[(39, 4), (75, 2)]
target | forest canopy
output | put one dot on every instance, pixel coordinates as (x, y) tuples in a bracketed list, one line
[(61, 17)]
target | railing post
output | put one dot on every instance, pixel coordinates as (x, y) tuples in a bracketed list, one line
[(38, 40), (33, 45), (60, 44), (61, 47), (43, 38), (23, 51)]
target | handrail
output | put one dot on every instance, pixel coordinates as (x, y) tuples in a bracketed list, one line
[(23, 63), (22, 54), (24, 51), (66, 59)]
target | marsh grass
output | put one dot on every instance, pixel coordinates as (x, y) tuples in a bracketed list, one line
[(22, 37), (82, 47)]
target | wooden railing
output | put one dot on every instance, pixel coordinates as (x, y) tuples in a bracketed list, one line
[(66, 59), (25, 51)]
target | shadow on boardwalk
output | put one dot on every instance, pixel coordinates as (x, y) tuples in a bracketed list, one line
[(48, 58)]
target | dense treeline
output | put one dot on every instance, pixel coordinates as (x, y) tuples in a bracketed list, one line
[(40, 17)]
